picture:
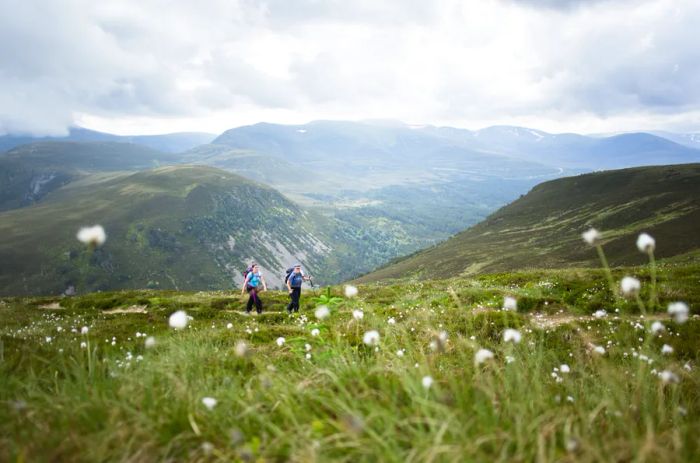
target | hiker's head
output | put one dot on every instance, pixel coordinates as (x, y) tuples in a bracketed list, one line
[(297, 268), (255, 268)]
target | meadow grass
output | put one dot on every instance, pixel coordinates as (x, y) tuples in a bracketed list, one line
[(339, 399)]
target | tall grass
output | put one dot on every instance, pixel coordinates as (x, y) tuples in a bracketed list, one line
[(349, 401)]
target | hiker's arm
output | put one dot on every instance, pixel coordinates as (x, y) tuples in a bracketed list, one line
[(289, 286), (262, 278)]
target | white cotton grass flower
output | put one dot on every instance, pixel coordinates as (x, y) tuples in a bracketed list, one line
[(657, 326), (358, 314), (668, 377), (645, 243), (150, 342), (509, 303), (371, 338), (280, 341), (591, 236), (315, 332), (350, 291), (564, 368), (630, 286), (666, 349), (178, 320), (600, 314), (322, 312), (482, 355), (391, 321), (84, 330), (307, 347), (229, 326), (240, 349), (679, 311), (400, 352), (512, 335), (83, 345), (600, 350), (209, 402), (427, 381), (92, 236)]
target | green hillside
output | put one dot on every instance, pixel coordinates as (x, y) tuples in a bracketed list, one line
[(29, 172), (183, 227), (543, 228)]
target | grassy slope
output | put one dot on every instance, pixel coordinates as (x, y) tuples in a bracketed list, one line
[(55, 164), (163, 226), (350, 402), (542, 228)]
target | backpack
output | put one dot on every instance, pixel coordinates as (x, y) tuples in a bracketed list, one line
[(290, 270), (247, 271)]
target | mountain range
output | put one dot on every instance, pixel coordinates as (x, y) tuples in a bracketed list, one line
[(368, 192)]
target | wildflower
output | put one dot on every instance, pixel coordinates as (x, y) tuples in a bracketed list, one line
[(591, 236), (679, 311), (307, 347), (482, 355), (427, 382), (510, 359), (668, 377), (509, 303), (656, 327), (209, 402), (83, 345), (599, 350), (308, 356), (240, 349), (93, 236), (350, 291), (178, 320), (84, 330), (229, 326), (48, 338), (371, 338), (564, 368), (322, 312), (400, 352), (150, 342), (315, 332), (511, 335), (630, 286), (280, 341), (391, 321), (599, 313), (645, 243), (666, 349), (358, 314)]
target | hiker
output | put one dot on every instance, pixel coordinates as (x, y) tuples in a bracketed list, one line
[(253, 281), (294, 279)]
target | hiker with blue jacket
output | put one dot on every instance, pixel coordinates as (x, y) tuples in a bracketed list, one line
[(253, 282), (295, 278)]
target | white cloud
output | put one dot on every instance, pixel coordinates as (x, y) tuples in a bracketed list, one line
[(156, 66)]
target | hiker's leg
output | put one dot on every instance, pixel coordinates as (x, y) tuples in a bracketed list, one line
[(296, 294), (256, 299), (290, 306), (249, 305)]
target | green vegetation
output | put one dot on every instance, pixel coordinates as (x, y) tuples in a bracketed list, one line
[(543, 228), (177, 227), (115, 399)]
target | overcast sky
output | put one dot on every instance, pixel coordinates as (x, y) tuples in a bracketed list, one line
[(143, 66)]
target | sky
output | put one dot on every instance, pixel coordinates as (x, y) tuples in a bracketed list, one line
[(155, 66)]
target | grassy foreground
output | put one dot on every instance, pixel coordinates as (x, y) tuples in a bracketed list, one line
[(331, 397)]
